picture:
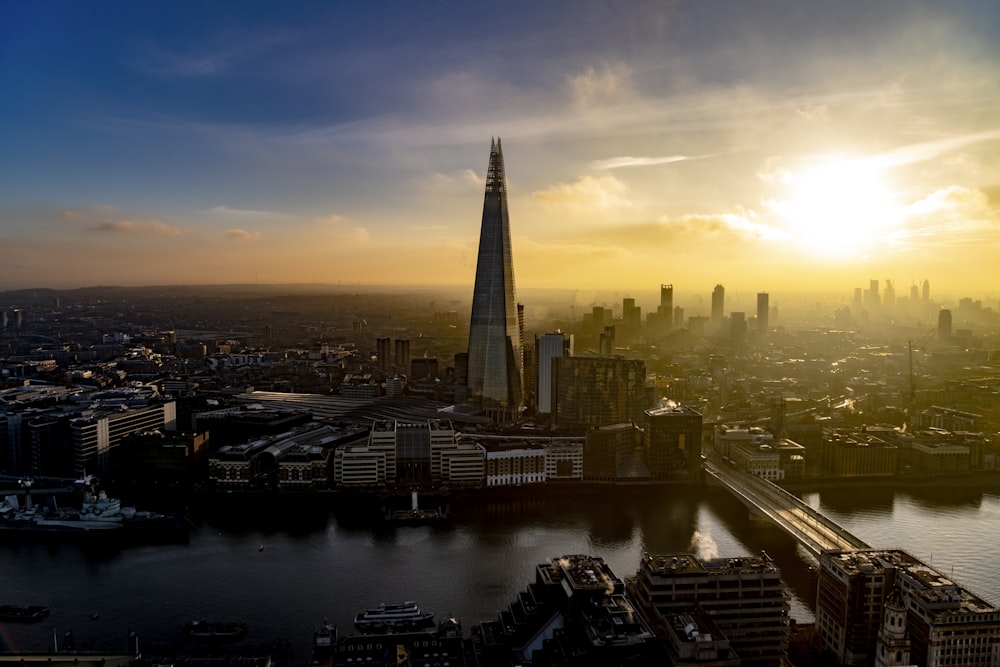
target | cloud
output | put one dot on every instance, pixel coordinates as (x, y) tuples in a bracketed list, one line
[(742, 224), (361, 234), (332, 219), (629, 161), (89, 213), (139, 227), (589, 192), (608, 82), (950, 216), (243, 235)]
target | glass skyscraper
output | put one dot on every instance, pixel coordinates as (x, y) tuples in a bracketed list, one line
[(495, 364)]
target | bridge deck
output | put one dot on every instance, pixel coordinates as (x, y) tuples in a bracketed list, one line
[(806, 525)]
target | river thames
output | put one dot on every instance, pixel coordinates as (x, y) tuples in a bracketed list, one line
[(282, 570)]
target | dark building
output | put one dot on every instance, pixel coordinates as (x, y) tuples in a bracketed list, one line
[(402, 353), (673, 442), (718, 305), (614, 452), (158, 457), (495, 363), (231, 426), (590, 392), (763, 312), (944, 325), (383, 347), (423, 368), (666, 309), (743, 597)]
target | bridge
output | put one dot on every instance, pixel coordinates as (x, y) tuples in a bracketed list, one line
[(807, 526)]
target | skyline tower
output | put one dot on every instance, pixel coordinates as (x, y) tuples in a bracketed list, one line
[(763, 310), (718, 304), (666, 309), (495, 362)]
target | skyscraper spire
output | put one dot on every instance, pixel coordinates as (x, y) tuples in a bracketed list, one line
[(495, 365)]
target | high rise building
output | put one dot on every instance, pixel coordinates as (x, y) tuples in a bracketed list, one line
[(763, 310), (495, 363), (718, 304), (382, 346), (673, 442), (944, 623), (666, 309), (744, 598), (926, 291), (403, 353), (944, 324), (588, 391), (549, 347)]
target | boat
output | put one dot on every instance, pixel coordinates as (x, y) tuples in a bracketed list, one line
[(393, 617), (22, 613), (227, 631), (98, 513)]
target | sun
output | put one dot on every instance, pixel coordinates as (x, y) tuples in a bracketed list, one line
[(838, 208)]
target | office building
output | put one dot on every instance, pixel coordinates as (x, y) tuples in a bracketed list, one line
[(666, 309), (592, 392), (744, 598), (495, 363), (763, 311), (945, 624), (944, 325), (402, 353), (718, 305), (673, 442), (549, 347), (606, 343), (383, 347)]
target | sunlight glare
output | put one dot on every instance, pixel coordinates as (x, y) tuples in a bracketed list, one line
[(838, 210)]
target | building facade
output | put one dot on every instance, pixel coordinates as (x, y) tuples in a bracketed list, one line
[(495, 364)]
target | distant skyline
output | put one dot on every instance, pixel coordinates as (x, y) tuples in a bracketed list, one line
[(767, 146)]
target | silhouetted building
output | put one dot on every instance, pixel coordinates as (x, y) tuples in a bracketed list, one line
[(946, 624), (606, 344), (596, 391), (495, 364), (666, 309), (737, 329), (673, 442), (944, 325), (614, 452), (383, 348), (744, 598), (718, 305), (402, 346), (763, 311)]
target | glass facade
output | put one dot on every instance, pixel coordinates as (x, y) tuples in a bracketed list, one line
[(495, 364)]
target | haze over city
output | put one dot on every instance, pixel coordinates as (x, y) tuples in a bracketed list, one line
[(767, 145)]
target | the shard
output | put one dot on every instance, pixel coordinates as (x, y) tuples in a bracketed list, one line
[(495, 364)]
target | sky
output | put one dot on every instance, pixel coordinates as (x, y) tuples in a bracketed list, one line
[(772, 146)]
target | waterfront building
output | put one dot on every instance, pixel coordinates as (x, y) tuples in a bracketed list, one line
[(514, 463), (591, 392), (495, 363), (102, 429), (945, 623), (614, 452), (397, 452), (574, 614), (743, 597), (673, 442), (155, 456), (858, 453), (564, 461), (462, 464), (548, 347)]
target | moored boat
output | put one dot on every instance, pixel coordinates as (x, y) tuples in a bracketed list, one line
[(228, 631), (393, 617), (24, 613)]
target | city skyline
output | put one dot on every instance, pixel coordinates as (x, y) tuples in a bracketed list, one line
[(766, 146)]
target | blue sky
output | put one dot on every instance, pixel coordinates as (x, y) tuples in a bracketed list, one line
[(645, 142)]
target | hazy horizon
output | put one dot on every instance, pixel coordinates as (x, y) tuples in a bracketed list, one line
[(791, 148)]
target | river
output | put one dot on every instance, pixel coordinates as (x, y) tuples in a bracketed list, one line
[(283, 569)]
